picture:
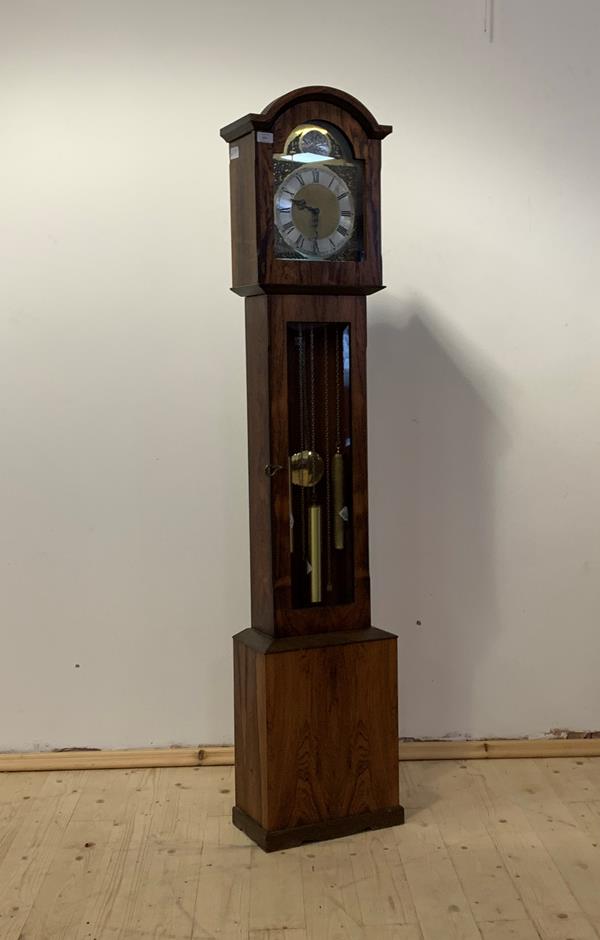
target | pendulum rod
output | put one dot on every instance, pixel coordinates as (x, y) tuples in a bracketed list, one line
[(290, 509), (338, 458), (314, 518)]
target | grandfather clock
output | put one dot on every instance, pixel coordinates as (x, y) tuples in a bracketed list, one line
[(316, 736)]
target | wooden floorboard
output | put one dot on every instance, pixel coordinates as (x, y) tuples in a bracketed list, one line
[(492, 850)]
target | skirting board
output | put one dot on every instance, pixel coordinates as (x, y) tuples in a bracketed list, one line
[(118, 760), (224, 756)]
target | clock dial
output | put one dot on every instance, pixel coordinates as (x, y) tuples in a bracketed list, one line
[(314, 211)]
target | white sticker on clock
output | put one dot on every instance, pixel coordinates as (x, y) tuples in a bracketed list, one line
[(264, 137), (234, 153)]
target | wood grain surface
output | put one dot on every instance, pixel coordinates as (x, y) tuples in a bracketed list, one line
[(244, 233), (491, 850), (260, 455), (316, 731), (332, 741), (322, 93)]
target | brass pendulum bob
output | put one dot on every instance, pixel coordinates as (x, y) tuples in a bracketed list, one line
[(306, 468)]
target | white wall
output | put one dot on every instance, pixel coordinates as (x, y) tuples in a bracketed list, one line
[(123, 540)]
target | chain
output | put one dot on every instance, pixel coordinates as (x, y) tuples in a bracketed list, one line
[(327, 457), (300, 342), (301, 393), (338, 417), (313, 423)]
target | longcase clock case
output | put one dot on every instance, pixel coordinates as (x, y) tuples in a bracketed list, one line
[(316, 730)]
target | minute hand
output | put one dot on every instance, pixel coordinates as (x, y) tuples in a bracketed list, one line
[(302, 204)]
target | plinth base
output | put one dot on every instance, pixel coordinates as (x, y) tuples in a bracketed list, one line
[(316, 736), (275, 841)]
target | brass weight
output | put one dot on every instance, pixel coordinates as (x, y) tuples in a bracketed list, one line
[(314, 541), (338, 500)]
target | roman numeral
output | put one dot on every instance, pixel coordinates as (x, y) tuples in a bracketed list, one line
[(315, 176), (288, 227), (315, 247), (343, 195), (346, 213), (289, 192), (300, 241), (342, 231), (332, 243), (299, 178), (288, 209)]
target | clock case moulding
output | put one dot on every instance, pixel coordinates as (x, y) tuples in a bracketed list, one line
[(316, 698)]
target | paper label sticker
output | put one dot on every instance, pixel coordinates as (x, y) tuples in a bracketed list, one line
[(234, 153), (264, 137)]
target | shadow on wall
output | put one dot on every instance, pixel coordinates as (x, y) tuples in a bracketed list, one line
[(435, 439)]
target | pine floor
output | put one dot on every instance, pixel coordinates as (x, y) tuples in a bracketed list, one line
[(492, 850)]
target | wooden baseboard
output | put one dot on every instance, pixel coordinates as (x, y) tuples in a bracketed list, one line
[(499, 749), (224, 756), (118, 760)]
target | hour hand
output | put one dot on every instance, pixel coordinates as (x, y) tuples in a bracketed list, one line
[(302, 204)]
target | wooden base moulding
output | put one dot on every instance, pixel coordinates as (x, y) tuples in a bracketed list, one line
[(274, 841)]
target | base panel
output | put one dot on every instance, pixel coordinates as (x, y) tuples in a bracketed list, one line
[(316, 735), (275, 841)]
